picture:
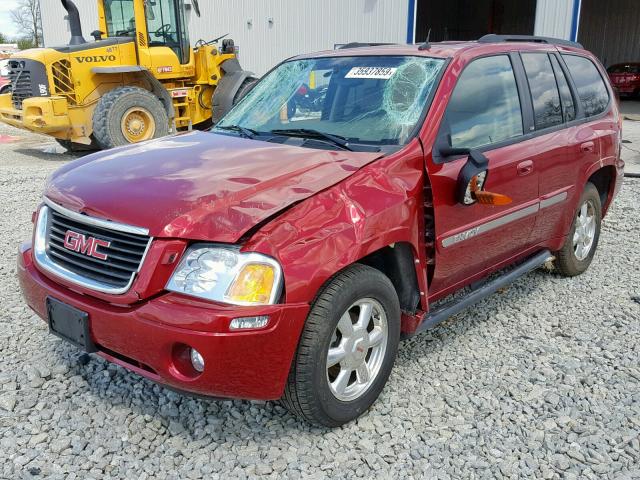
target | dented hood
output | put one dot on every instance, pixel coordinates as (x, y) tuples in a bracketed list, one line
[(200, 186)]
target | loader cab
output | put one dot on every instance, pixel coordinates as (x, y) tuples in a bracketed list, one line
[(155, 24)]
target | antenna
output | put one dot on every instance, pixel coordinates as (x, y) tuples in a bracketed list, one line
[(426, 45)]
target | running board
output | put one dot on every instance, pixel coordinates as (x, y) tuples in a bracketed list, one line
[(440, 314)]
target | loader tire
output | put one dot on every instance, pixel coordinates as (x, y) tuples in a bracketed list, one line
[(129, 115), (245, 87)]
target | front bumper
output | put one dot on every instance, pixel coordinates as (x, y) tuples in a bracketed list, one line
[(148, 338), (39, 114)]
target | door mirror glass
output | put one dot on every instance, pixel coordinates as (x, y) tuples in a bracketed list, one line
[(471, 177)]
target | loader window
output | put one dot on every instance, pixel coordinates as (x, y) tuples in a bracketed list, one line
[(167, 27), (121, 20)]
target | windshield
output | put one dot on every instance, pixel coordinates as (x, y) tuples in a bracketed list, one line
[(371, 100)]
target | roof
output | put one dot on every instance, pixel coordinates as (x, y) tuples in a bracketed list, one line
[(448, 49)]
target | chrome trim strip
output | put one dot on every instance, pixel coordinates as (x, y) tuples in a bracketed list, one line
[(98, 222), (499, 222), (491, 225), (43, 260), (547, 202)]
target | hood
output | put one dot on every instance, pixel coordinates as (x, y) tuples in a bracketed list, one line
[(199, 186)]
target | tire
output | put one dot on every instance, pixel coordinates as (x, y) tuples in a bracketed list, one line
[(245, 87), (78, 147), (308, 393), (573, 259), (5, 89), (129, 103)]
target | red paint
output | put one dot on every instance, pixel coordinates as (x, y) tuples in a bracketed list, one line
[(8, 139), (315, 212)]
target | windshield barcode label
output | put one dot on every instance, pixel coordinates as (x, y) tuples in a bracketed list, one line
[(380, 73)]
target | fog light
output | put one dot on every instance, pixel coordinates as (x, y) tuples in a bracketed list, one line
[(249, 322), (197, 361)]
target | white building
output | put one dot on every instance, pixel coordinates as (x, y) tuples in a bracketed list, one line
[(268, 31)]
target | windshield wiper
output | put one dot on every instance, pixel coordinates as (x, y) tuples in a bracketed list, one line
[(244, 131), (341, 142)]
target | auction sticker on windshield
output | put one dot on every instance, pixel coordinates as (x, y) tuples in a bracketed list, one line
[(380, 73)]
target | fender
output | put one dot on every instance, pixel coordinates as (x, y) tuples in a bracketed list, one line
[(346, 227), (227, 87), (156, 87)]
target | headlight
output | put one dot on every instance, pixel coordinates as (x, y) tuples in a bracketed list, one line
[(225, 275)]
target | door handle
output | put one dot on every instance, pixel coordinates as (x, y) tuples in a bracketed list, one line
[(525, 168), (588, 147)]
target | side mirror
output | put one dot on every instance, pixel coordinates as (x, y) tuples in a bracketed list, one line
[(472, 177)]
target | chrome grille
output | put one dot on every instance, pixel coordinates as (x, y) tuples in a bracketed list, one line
[(114, 274)]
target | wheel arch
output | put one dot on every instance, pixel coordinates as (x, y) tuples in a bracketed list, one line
[(603, 178), (227, 87), (397, 261), (156, 87)]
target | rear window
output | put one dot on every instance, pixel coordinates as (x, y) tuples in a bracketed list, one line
[(544, 91), (591, 87), (566, 97)]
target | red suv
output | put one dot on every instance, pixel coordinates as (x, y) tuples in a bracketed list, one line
[(285, 253), (625, 77)]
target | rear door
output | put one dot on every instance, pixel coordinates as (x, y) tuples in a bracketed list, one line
[(553, 108), (485, 113), (589, 138)]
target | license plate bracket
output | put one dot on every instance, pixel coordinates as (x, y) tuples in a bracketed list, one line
[(70, 324)]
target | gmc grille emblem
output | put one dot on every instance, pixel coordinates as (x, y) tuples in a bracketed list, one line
[(80, 243)]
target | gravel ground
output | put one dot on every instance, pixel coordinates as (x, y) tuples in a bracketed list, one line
[(539, 381)]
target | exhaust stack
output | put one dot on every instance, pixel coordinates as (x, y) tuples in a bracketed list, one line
[(74, 23)]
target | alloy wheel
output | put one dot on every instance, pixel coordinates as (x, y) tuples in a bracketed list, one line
[(585, 230), (357, 349)]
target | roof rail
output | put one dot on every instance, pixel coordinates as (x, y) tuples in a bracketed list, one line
[(361, 44), (494, 38)]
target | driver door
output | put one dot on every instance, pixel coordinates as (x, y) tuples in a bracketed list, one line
[(484, 113)]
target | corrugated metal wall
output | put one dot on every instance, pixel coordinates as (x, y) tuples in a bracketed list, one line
[(56, 28), (553, 18), (298, 26), (611, 30), (268, 31)]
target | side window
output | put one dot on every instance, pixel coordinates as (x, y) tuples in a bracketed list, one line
[(484, 107), (568, 108), (591, 88), (544, 90)]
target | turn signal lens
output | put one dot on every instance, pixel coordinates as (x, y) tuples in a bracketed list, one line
[(253, 285)]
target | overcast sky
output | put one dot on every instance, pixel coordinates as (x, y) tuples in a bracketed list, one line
[(6, 25)]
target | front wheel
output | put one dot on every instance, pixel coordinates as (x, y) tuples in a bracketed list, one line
[(347, 348), (129, 115), (580, 246)]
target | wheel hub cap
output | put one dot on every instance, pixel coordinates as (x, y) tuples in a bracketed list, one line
[(357, 349), (585, 230), (138, 125)]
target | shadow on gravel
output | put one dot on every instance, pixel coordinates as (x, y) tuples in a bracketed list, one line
[(185, 415), (189, 416), (479, 316), (39, 153)]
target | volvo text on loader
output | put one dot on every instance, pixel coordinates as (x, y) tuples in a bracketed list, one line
[(139, 79)]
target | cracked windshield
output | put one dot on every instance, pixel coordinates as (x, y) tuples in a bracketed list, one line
[(349, 102)]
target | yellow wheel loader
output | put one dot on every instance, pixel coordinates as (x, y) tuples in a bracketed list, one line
[(139, 79)]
